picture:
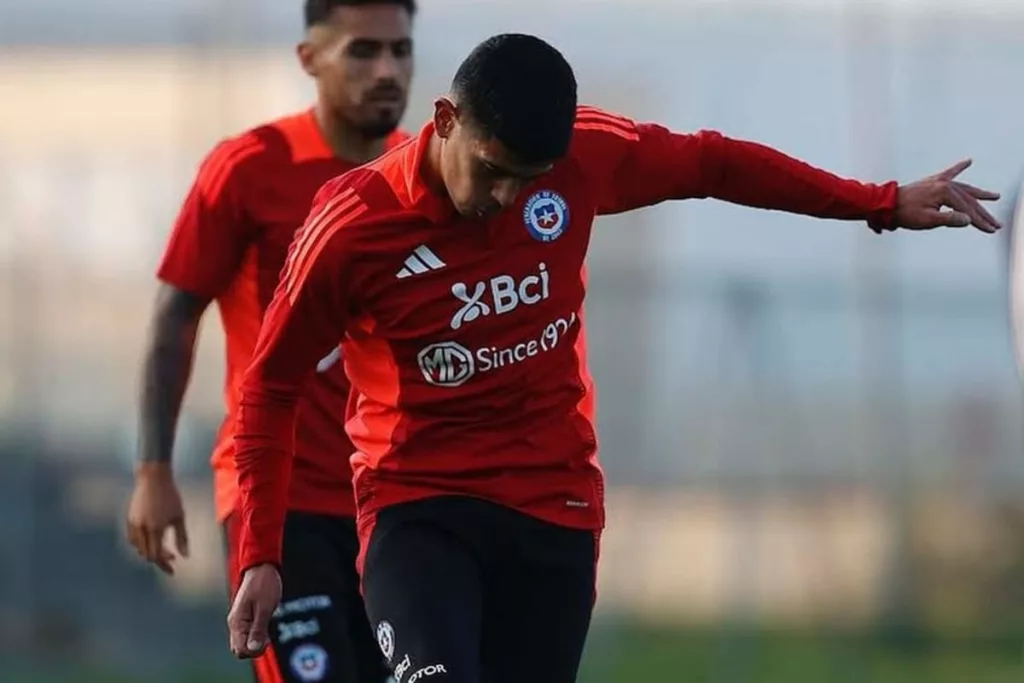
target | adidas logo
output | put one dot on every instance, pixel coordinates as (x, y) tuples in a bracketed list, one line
[(420, 261)]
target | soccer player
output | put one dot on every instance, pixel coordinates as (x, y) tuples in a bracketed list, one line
[(451, 268), (229, 245)]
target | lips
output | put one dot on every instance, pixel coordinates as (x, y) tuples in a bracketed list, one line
[(385, 96)]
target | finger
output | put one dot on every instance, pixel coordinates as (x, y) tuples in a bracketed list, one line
[(239, 622), (955, 170), (181, 537), (157, 554), (960, 203), (135, 538), (144, 536), (992, 223), (238, 631), (964, 203), (257, 639), (934, 218), (977, 192), (970, 195), (154, 544), (165, 562)]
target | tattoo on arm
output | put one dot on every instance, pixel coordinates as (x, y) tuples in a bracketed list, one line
[(166, 368)]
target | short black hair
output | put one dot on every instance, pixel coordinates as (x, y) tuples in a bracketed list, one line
[(318, 12), (522, 91)]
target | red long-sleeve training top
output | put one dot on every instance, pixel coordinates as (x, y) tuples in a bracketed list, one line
[(463, 337)]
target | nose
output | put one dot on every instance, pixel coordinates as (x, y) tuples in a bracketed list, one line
[(505, 192), (386, 67)]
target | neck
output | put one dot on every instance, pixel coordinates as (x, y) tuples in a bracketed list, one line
[(346, 142), (431, 169)]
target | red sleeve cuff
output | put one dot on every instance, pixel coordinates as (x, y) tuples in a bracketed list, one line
[(246, 566), (884, 219), (263, 512)]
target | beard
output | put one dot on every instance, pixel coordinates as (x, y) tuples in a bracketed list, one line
[(383, 125)]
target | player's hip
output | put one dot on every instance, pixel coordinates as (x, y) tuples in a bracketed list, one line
[(481, 519), (498, 535)]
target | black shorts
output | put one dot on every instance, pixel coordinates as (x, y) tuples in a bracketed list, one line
[(320, 632), (461, 590)]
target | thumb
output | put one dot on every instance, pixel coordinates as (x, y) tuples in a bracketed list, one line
[(181, 537), (934, 218), (952, 219)]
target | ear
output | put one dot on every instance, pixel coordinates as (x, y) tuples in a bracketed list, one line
[(307, 57), (446, 117)]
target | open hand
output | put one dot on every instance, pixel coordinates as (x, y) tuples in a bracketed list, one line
[(942, 201)]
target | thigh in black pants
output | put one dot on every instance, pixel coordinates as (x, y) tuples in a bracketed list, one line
[(320, 632), (461, 590)]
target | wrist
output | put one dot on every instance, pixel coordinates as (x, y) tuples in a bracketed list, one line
[(154, 469), (259, 569)]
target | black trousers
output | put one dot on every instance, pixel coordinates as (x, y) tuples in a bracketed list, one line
[(461, 590)]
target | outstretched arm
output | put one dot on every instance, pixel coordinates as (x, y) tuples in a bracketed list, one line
[(634, 165)]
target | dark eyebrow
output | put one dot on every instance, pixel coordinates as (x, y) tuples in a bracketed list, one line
[(494, 167), (515, 174), (377, 42)]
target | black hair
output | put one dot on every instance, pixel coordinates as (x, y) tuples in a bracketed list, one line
[(318, 12), (522, 91)]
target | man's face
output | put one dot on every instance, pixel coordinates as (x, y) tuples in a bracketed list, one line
[(482, 176), (362, 62)]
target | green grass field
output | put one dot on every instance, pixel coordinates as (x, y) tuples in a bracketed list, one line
[(638, 654)]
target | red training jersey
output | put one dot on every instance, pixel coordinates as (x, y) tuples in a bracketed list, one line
[(229, 243), (462, 336)]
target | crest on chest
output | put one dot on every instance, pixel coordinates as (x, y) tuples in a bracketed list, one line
[(484, 273)]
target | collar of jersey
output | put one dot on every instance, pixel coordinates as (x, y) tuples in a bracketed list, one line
[(307, 140), (412, 190), (309, 143)]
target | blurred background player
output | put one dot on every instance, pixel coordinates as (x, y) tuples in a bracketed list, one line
[(229, 245)]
